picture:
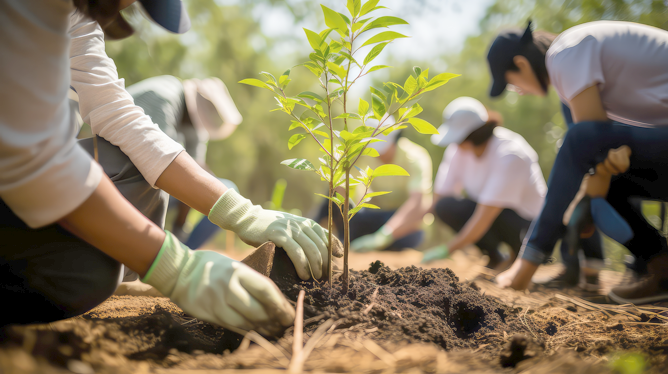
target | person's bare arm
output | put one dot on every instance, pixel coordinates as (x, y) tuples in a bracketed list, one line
[(187, 181), (587, 106), (408, 217), (475, 227), (109, 222)]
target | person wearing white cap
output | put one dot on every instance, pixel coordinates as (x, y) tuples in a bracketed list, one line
[(65, 228), (499, 172), (396, 225)]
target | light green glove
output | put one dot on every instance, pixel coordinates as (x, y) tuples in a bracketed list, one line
[(373, 242), (217, 289), (437, 253), (301, 238)]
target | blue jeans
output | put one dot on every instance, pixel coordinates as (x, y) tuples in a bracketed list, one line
[(585, 145), (592, 247)]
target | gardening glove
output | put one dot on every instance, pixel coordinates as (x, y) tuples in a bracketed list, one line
[(373, 242), (437, 253), (301, 238), (217, 289)]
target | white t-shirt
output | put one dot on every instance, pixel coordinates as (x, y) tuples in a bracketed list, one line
[(627, 61), (507, 175)]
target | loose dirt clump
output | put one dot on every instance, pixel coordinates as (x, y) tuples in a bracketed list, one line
[(411, 305)]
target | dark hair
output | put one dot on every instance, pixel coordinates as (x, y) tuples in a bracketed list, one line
[(107, 14), (534, 51), (482, 134)]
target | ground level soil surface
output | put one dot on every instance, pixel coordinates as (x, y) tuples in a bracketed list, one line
[(397, 316)]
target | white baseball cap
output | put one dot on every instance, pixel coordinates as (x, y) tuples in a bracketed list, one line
[(211, 108), (460, 118), (389, 139)]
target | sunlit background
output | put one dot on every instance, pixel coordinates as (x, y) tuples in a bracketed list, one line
[(236, 39)]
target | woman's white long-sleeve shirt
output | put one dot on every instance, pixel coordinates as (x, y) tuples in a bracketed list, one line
[(108, 108), (44, 173)]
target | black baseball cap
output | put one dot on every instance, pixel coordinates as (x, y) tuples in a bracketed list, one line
[(508, 44), (170, 14)]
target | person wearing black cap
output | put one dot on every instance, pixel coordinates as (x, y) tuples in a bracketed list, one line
[(613, 77), (65, 229)]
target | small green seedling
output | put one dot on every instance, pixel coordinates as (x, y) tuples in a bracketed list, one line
[(337, 63)]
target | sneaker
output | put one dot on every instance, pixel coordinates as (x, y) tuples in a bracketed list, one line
[(649, 289)]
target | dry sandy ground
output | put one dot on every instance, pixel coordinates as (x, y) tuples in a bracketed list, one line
[(141, 334)]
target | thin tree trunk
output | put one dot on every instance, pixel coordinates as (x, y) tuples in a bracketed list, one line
[(346, 234), (330, 227)]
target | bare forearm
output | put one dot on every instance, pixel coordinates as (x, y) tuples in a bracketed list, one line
[(408, 217), (187, 181), (109, 222)]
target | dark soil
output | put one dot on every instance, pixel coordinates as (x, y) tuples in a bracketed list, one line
[(409, 305), (427, 319)]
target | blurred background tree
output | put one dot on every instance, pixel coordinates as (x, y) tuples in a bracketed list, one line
[(236, 39)]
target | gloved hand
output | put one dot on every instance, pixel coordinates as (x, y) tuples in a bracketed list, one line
[(301, 238), (372, 242), (437, 253), (217, 289)]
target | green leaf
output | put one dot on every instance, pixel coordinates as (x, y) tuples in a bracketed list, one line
[(299, 164), (389, 170), (370, 206), (374, 194), (363, 107), (378, 106), (311, 95), (335, 46), (410, 85), (334, 199), (345, 18), (383, 36), (377, 67), (348, 115), (375, 51), (270, 78), (321, 133), (413, 111), (384, 22), (324, 34), (353, 7), (422, 126), (378, 93), (368, 7), (417, 70), (295, 125), (370, 152), (295, 139), (390, 129), (256, 83), (439, 80), (333, 19), (337, 69), (313, 39)]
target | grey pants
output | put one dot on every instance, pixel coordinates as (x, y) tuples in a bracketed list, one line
[(48, 274)]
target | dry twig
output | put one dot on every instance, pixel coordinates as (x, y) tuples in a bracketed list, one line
[(296, 364)]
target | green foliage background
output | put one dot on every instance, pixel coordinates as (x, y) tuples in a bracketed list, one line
[(226, 41)]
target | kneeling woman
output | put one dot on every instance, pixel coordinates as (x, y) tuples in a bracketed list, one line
[(614, 78), (499, 172)]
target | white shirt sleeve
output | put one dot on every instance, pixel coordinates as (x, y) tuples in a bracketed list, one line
[(44, 173), (501, 189), (448, 177), (108, 108), (574, 67)]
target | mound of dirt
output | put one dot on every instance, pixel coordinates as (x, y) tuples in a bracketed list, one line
[(410, 304)]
